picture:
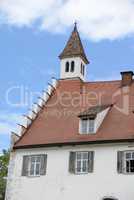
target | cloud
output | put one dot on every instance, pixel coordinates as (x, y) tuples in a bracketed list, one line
[(8, 122), (105, 19)]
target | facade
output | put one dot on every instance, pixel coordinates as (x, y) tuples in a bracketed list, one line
[(78, 141)]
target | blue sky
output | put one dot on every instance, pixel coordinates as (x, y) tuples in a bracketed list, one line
[(29, 58)]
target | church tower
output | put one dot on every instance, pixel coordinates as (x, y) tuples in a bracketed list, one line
[(73, 58)]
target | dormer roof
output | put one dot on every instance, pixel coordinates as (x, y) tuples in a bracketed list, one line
[(74, 47), (94, 110)]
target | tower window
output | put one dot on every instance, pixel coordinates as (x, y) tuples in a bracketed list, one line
[(72, 66), (83, 70), (67, 67)]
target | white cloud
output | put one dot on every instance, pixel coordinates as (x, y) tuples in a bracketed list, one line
[(8, 122), (98, 19)]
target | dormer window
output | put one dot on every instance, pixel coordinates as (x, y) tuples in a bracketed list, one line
[(72, 66), (67, 67), (87, 126), (91, 119)]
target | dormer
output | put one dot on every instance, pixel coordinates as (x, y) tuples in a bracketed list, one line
[(73, 58), (92, 118)]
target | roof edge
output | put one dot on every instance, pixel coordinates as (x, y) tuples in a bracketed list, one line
[(75, 143)]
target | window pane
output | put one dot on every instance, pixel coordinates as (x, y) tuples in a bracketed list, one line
[(84, 166), (84, 125), (33, 158), (38, 159), (132, 165), (78, 166), (91, 126), (127, 166), (78, 156), (133, 155), (38, 169), (128, 155), (32, 169), (85, 155)]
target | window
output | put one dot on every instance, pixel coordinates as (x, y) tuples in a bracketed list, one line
[(129, 162), (83, 70), (72, 66), (34, 165), (81, 162), (67, 67), (125, 162), (87, 126)]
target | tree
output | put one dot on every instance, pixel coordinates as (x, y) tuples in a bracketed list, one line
[(4, 160)]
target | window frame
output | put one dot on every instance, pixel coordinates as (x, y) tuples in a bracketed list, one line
[(82, 162), (125, 161), (89, 129), (35, 165)]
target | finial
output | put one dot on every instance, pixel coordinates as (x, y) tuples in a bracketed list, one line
[(75, 25)]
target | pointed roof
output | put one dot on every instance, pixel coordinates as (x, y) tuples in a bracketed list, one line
[(74, 47)]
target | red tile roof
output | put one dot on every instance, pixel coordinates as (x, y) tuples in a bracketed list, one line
[(58, 122)]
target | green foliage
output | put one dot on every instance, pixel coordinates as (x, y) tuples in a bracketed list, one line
[(4, 160)]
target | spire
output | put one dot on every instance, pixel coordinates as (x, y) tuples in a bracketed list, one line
[(74, 46)]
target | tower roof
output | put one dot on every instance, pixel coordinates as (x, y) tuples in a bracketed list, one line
[(74, 47)]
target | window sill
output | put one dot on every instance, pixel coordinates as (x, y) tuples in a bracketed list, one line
[(91, 133), (33, 176), (126, 173), (81, 173)]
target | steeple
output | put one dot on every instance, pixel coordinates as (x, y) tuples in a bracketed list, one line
[(74, 46), (73, 57)]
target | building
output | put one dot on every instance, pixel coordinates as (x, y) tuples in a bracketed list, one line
[(78, 142)]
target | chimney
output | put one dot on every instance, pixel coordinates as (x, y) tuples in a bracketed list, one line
[(127, 78)]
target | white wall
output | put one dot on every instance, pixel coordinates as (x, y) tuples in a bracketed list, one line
[(59, 184), (100, 117), (77, 72)]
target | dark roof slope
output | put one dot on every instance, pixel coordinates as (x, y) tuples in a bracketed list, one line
[(74, 47), (93, 111), (58, 123)]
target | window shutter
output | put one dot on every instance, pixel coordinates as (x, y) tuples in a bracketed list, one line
[(120, 161), (43, 164), (72, 160), (90, 161), (25, 165)]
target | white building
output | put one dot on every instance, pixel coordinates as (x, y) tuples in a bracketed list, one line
[(78, 142)]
